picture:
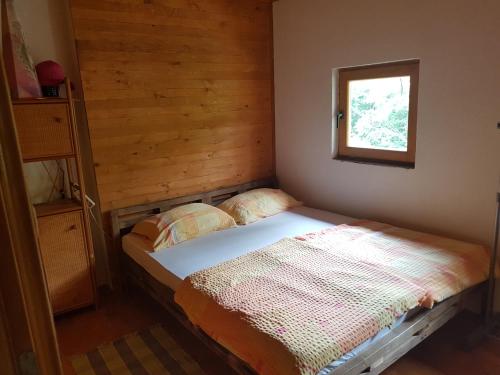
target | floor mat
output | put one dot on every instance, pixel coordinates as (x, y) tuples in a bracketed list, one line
[(149, 352)]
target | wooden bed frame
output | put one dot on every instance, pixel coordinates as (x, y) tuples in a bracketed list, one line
[(372, 360)]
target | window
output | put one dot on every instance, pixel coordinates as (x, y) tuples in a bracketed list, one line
[(378, 113)]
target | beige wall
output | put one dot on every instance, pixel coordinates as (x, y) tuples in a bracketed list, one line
[(46, 30), (48, 35), (452, 189)]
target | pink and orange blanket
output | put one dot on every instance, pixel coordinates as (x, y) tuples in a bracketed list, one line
[(297, 305)]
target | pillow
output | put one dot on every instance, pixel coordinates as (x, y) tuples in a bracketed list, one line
[(255, 204), (183, 223)]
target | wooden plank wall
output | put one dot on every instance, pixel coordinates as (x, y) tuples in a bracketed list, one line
[(178, 93)]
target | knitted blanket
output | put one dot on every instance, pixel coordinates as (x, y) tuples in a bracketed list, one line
[(299, 304), (442, 266), (292, 308)]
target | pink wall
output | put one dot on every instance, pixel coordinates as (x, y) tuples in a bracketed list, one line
[(452, 190)]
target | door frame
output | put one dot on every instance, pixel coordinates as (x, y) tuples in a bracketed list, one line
[(26, 323)]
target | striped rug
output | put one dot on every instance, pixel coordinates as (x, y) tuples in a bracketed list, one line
[(149, 352)]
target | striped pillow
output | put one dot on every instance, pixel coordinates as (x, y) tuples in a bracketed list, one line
[(255, 204), (183, 223)]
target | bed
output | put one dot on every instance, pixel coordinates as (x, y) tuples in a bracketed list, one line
[(161, 273)]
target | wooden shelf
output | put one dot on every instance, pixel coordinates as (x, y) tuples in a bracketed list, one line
[(39, 101), (57, 207), (46, 158)]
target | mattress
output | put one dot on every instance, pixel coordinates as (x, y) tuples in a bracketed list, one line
[(172, 265)]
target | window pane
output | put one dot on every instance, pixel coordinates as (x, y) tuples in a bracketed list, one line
[(378, 113)]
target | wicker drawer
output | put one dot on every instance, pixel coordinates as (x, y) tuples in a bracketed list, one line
[(66, 261), (44, 130)]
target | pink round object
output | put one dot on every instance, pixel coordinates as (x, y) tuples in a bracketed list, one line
[(50, 73)]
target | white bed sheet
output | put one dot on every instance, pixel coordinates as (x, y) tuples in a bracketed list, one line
[(172, 265)]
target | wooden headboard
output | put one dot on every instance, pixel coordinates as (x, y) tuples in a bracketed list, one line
[(123, 219)]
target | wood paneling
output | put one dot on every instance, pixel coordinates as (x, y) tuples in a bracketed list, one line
[(178, 93)]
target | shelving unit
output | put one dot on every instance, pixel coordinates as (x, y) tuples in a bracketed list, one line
[(46, 130)]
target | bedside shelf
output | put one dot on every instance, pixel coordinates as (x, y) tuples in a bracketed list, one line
[(46, 129), (57, 207)]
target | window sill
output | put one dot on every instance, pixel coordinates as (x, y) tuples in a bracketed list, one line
[(382, 163)]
